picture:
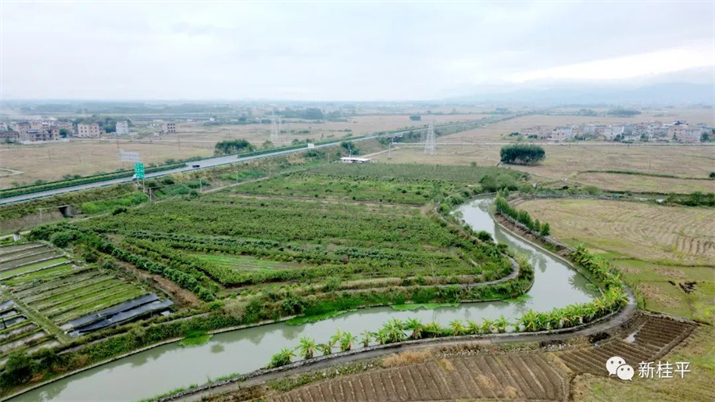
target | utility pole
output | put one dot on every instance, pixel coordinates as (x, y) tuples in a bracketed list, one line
[(274, 130), (430, 140)]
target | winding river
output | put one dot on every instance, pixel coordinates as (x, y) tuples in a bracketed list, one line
[(171, 366)]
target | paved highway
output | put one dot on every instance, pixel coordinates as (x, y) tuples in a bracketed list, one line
[(224, 160), (203, 163)]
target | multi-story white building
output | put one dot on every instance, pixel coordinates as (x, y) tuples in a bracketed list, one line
[(610, 132), (122, 128), (88, 130), (561, 134), (169, 127)]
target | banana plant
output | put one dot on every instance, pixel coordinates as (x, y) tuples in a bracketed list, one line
[(433, 329), (457, 327), (554, 318), (366, 338), (501, 324), (416, 326), (346, 342), (487, 326), (529, 321), (325, 348), (473, 327), (307, 347)]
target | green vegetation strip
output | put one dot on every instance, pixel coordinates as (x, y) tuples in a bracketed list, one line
[(317, 317), (418, 306)]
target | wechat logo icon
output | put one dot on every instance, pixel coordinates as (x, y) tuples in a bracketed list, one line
[(617, 366)]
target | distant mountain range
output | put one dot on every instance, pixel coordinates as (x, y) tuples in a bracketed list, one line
[(661, 94)]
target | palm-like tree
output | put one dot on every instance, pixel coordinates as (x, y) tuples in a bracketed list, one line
[(487, 326), (501, 323), (346, 342), (366, 338), (457, 327), (307, 347), (416, 326)]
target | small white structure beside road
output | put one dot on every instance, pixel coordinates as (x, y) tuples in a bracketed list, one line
[(351, 159)]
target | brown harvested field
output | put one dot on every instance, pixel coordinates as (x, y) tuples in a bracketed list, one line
[(655, 233), (567, 160), (498, 376), (355, 125), (698, 350), (456, 373), (53, 161), (644, 184), (665, 253)]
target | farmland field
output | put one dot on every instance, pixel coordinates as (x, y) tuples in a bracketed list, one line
[(665, 252), (472, 372), (659, 234), (83, 157), (588, 164), (358, 228), (43, 290)]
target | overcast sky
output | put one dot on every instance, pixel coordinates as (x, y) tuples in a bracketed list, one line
[(345, 51)]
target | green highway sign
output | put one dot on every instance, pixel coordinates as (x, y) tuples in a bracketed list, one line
[(139, 170)]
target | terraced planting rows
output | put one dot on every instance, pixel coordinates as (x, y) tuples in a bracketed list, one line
[(18, 330), (42, 290), (523, 377), (454, 374), (68, 295), (650, 338), (32, 257)]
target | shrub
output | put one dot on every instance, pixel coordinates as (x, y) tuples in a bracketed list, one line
[(63, 239)]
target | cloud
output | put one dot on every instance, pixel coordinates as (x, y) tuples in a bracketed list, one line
[(338, 51)]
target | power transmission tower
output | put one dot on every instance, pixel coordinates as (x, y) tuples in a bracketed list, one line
[(274, 130), (430, 140)]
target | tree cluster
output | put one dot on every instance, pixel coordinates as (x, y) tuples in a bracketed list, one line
[(522, 154)]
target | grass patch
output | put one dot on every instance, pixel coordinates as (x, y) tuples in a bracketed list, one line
[(308, 319), (195, 338), (32, 267), (426, 306)]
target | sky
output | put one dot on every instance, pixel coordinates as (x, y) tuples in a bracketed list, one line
[(132, 50)]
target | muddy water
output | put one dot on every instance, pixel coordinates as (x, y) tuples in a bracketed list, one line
[(167, 367)]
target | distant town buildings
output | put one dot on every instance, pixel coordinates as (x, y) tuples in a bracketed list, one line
[(90, 130), (36, 130), (122, 128), (677, 131)]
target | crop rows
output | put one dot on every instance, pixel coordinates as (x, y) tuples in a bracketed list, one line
[(651, 338), (522, 377)]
